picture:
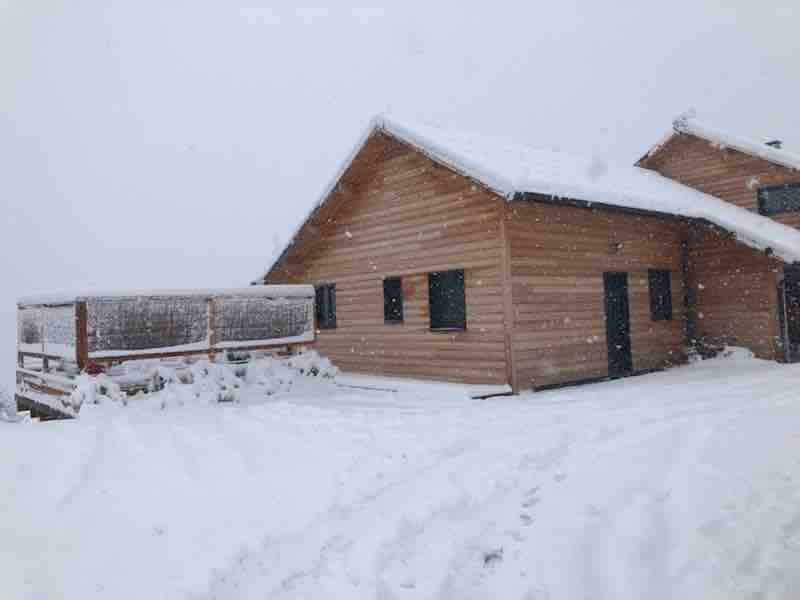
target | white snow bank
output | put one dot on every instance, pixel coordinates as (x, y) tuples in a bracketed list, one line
[(682, 484), (8, 407), (310, 362), (197, 382), (414, 386), (268, 291)]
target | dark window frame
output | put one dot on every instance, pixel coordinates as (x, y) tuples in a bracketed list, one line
[(393, 300), (325, 305), (790, 204), (660, 287), (447, 300)]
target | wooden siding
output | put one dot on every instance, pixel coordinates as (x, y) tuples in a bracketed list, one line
[(396, 212), (558, 256), (725, 173), (734, 293)]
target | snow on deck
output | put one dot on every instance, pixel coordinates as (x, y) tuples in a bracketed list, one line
[(681, 484), (268, 291)]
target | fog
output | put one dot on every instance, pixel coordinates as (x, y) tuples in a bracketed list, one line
[(174, 144)]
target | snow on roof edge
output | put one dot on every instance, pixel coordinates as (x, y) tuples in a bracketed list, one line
[(751, 229), (732, 218), (432, 149), (428, 147), (663, 141), (269, 291), (688, 124), (374, 123)]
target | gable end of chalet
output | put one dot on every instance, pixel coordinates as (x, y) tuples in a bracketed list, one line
[(378, 146)]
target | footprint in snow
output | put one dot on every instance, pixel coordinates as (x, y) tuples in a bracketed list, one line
[(531, 498), (492, 557), (526, 519), (516, 536), (595, 512), (713, 528)]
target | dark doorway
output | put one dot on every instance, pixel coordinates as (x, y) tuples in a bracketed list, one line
[(791, 313), (618, 324)]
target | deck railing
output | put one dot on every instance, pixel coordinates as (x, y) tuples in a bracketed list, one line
[(109, 328)]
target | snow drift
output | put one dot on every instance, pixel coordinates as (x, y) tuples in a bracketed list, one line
[(682, 484)]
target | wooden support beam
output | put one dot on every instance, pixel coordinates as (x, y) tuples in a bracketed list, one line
[(158, 355), (508, 300), (212, 329), (81, 335)]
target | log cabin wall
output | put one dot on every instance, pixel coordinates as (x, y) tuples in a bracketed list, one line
[(397, 213), (734, 288), (558, 256), (722, 172), (734, 293)]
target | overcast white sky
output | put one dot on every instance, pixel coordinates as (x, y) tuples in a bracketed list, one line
[(167, 144)]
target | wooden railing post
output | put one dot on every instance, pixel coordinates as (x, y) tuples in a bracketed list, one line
[(212, 328), (81, 335)]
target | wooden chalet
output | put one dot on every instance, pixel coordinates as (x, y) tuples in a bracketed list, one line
[(456, 257), (738, 297)]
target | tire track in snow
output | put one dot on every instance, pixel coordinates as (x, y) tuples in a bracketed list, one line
[(326, 541)]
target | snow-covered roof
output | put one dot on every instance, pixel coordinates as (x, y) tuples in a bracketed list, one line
[(269, 291), (689, 125), (511, 169)]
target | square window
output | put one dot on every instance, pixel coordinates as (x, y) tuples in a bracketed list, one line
[(660, 294), (779, 199), (393, 300), (446, 300), (325, 305)]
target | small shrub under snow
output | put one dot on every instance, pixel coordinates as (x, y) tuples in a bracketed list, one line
[(201, 382), (269, 374), (8, 407), (309, 362), (94, 389)]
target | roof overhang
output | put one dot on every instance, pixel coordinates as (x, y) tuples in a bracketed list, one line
[(688, 125), (764, 235)]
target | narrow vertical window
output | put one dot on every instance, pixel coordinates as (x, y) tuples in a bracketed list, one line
[(393, 300), (326, 306), (446, 300), (660, 294)]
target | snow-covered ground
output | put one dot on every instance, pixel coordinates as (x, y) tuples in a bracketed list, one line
[(683, 484)]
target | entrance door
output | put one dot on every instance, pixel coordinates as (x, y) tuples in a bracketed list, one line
[(791, 315), (618, 324)]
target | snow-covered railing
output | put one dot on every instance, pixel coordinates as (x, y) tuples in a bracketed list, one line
[(119, 326)]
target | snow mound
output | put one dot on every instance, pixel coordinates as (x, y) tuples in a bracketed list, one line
[(737, 353), (91, 389), (168, 384), (309, 362), (8, 407)]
